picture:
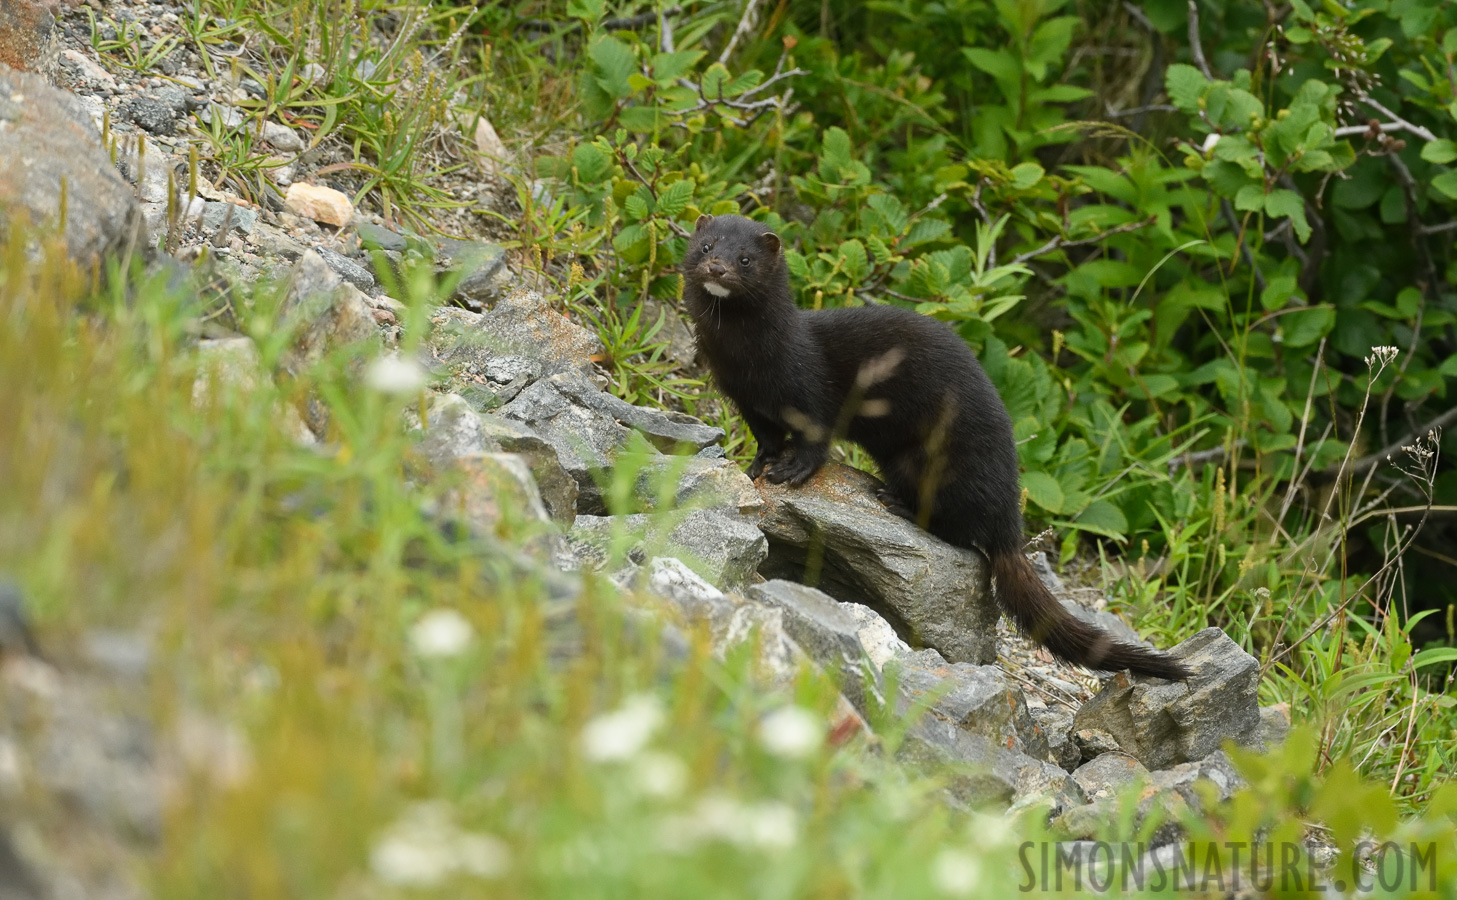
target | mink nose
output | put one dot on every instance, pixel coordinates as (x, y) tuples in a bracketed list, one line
[(716, 269)]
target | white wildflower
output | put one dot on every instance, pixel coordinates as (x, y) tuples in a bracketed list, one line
[(660, 775), (769, 826), (624, 732), (791, 732), (441, 633), (396, 376), (956, 873), (424, 848)]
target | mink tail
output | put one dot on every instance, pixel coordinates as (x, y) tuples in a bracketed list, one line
[(1041, 617)]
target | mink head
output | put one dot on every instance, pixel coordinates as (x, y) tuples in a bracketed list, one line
[(732, 255)]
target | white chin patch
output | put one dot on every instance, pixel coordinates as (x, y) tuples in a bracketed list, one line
[(716, 289)]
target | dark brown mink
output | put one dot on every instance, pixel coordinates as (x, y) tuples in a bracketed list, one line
[(903, 386)]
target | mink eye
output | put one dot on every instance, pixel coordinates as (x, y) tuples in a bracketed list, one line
[(743, 260), (705, 248)]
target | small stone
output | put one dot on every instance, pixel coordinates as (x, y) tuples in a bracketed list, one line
[(384, 317), (376, 237), (492, 153), (283, 137), (239, 218), (1056, 724), (322, 204), (347, 268), (91, 71), (149, 115), (1094, 742), (1108, 774)]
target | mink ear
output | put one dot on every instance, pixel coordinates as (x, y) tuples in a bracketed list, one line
[(702, 223), (770, 241)]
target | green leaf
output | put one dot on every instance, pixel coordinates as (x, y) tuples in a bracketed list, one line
[(856, 262), (1441, 151), (1283, 202), (715, 81), (1102, 517), (999, 64), (1278, 292), (636, 208), (1250, 197), (587, 10), (642, 119), (1043, 490), (1026, 175), (1446, 183), (671, 66), (591, 164), (1185, 85), (836, 149), (1306, 326), (674, 198), (613, 62)]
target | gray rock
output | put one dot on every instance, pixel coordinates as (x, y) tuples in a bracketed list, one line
[(376, 237), (1165, 723), (47, 138), (1093, 742), (234, 364), (172, 96), (239, 218), (586, 442), (272, 242), (1274, 726), (481, 268), (1106, 621), (829, 634), (1108, 775), (558, 488), (720, 545), (149, 115), (714, 452), (522, 324), (29, 38), (1043, 567), (121, 654), (834, 532), (880, 641), (453, 430), (729, 619), (693, 481), (979, 773), (347, 268), (668, 431), (322, 314), (495, 497), (1056, 724), (1166, 795), (976, 699)]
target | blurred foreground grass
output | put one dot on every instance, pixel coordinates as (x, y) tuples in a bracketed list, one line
[(415, 711)]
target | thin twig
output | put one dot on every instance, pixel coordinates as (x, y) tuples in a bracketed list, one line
[(1195, 48), (746, 24), (1058, 242)]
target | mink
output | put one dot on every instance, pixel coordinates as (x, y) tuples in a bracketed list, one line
[(906, 388)]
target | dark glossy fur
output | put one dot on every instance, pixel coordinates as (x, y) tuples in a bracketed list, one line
[(903, 386)]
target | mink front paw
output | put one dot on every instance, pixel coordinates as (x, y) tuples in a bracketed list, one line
[(795, 469), (761, 461)]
